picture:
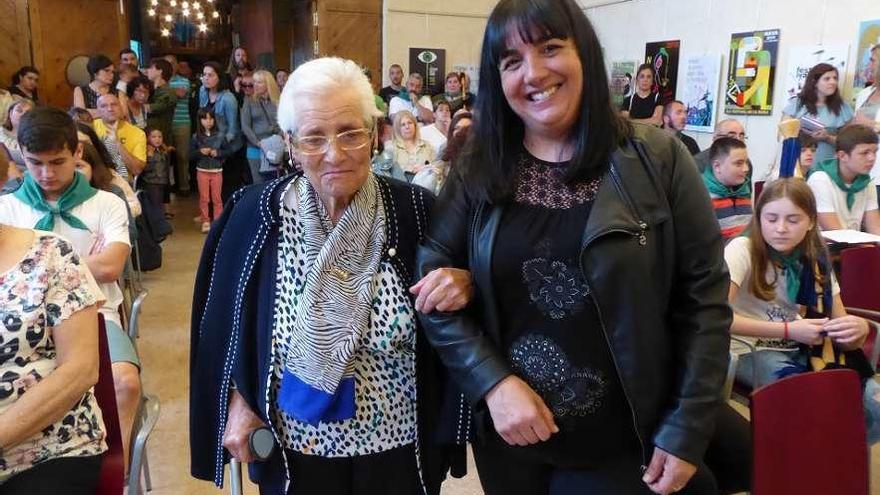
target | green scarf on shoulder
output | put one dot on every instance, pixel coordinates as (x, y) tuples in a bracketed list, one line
[(76, 194), (716, 188), (831, 167), (791, 267)]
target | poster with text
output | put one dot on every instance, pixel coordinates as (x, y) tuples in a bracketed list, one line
[(869, 35), (431, 64), (751, 72), (700, 91), (622, 80), (663, 55), (802, 58)]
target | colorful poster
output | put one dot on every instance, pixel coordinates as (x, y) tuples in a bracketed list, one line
[(663, 55), (869, 35), (802, 58), (431, 64), (622, 80), (751, 72), (700, 91)]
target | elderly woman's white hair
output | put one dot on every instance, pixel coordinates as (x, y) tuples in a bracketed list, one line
[(322, 78)]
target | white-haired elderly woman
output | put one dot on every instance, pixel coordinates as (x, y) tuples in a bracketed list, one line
[(303, 318)]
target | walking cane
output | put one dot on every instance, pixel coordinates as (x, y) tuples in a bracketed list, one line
[(262, 443)]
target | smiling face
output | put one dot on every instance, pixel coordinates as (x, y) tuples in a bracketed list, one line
[(783, 225), (260, 86), (542, 83), (336, 175), (733, 169)]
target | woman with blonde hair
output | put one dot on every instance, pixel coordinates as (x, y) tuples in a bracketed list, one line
[(411, 153), (259, 122)]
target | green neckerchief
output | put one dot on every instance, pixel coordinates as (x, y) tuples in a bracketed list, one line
[(404, 95), (76, 194), (718, 189), (831, 167), (791, 266)]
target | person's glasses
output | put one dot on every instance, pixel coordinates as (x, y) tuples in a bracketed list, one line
[(247, 85), (346, 141)]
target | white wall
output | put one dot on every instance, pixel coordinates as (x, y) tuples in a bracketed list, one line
[(703, 26)]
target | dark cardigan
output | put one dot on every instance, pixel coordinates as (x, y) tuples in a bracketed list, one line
[(232, 319)]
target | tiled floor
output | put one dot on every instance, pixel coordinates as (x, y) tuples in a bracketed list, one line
[(164, 348)]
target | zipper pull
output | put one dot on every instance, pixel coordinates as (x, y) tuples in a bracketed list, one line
[(643, 238)]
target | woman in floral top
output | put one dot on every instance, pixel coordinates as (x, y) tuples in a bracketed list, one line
[(51, 429)]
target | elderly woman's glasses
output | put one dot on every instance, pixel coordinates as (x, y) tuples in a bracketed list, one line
[(346, 141)]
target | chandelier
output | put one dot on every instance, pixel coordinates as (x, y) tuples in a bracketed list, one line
[(169, 12)]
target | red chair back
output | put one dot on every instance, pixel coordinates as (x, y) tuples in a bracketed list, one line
[(113, 465), (808, 434), (860, 277)]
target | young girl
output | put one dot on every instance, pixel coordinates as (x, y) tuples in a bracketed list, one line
[(209, 146), (786, 300), (154, 179)]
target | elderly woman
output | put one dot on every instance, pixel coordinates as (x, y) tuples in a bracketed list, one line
[(259, 121), (454, 93), (51, 430), (304, 323), (599, 342), (408, 150)]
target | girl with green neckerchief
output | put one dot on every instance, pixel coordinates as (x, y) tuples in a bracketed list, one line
[(786, 301)]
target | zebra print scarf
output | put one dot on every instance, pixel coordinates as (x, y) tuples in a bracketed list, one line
[(332, 308)]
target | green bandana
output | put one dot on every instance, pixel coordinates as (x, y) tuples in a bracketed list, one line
[(718, 189), (830, 167), (791, 268), (77, 193), (403, 95)]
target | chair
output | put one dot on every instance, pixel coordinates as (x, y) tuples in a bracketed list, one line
[(871, 347), (145, 421), (759, 186), (808, 434), (113, 464), (860, 277)]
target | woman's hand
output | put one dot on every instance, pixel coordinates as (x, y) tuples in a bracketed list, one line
[(444, 289), (822, 135), (205, 151), (807, 331), (849, 332), (239, 425), (519, 414), (667, 473)]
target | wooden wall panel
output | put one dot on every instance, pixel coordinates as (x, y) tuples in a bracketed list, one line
[(62, 29), (352, 29), (15, 48)]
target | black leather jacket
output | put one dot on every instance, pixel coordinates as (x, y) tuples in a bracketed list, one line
[(653, 257)]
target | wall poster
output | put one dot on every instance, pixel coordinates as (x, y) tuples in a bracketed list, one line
[(751, 72), (431, 64), (663, 55), (700, 91), (869, 35), (802, 58), (623, 74)]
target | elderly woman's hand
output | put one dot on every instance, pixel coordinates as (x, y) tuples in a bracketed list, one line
[(666, 473), (444, 289), (241, 422)]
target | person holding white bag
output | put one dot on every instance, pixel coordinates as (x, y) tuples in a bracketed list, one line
[(259, 123)]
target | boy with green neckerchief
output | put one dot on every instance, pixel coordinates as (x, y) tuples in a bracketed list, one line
[(727, 180), (846, 196)]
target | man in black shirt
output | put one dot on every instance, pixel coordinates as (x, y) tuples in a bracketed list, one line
[(395, 73), (674, 120)]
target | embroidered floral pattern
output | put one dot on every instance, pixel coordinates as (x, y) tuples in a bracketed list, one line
[(557, 289), (543, 184)]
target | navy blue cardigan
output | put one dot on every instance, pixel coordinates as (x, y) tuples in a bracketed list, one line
[(231, 328)]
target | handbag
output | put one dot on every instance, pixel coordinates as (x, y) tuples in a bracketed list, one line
[(272, 148)]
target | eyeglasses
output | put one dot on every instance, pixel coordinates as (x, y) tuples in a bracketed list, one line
[(247, 85), (735, 135), (346, 141)]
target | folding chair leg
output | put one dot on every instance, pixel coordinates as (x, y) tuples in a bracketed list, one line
[(148, 481)]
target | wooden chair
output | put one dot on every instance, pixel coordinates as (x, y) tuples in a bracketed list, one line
[(860, 277), (808, 434), (113, 466)]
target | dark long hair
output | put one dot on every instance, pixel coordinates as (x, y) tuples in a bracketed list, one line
[(202, 113), (96, 155), (489, 160), (27, 69), (809, 95), (223, 83)]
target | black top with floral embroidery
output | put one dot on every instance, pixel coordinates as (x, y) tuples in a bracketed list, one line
[(551, 328)]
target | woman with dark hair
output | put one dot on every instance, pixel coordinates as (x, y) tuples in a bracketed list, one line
[(97, 165), (595, 351), (9, 131), (101, 72), (139, 91), (644, 104), (820, 103), (216, 96), (24, 83), (434, 177)]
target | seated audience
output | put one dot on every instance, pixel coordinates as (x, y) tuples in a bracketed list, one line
[(807, 157), (51, 427), (644, 104), (25, 82), (410, 152), (55, 197), (97, 165), (138, 92), (101, 72), (436, 134), (413, 101), (454, 93), (820, 101), (731, 128), (383, 157), (786, 300), (259, 121), (9, 131), (727, 180), (126, 143), (846, 196), (12, 177), (395, 75), (433, 178), (674, 121)]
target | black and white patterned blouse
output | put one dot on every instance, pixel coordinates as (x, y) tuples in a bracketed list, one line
[(384, 365), (45, 288)]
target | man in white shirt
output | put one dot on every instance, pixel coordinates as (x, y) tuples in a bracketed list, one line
[(435, 134), (846, 195), (413, 100), (55, 197)]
